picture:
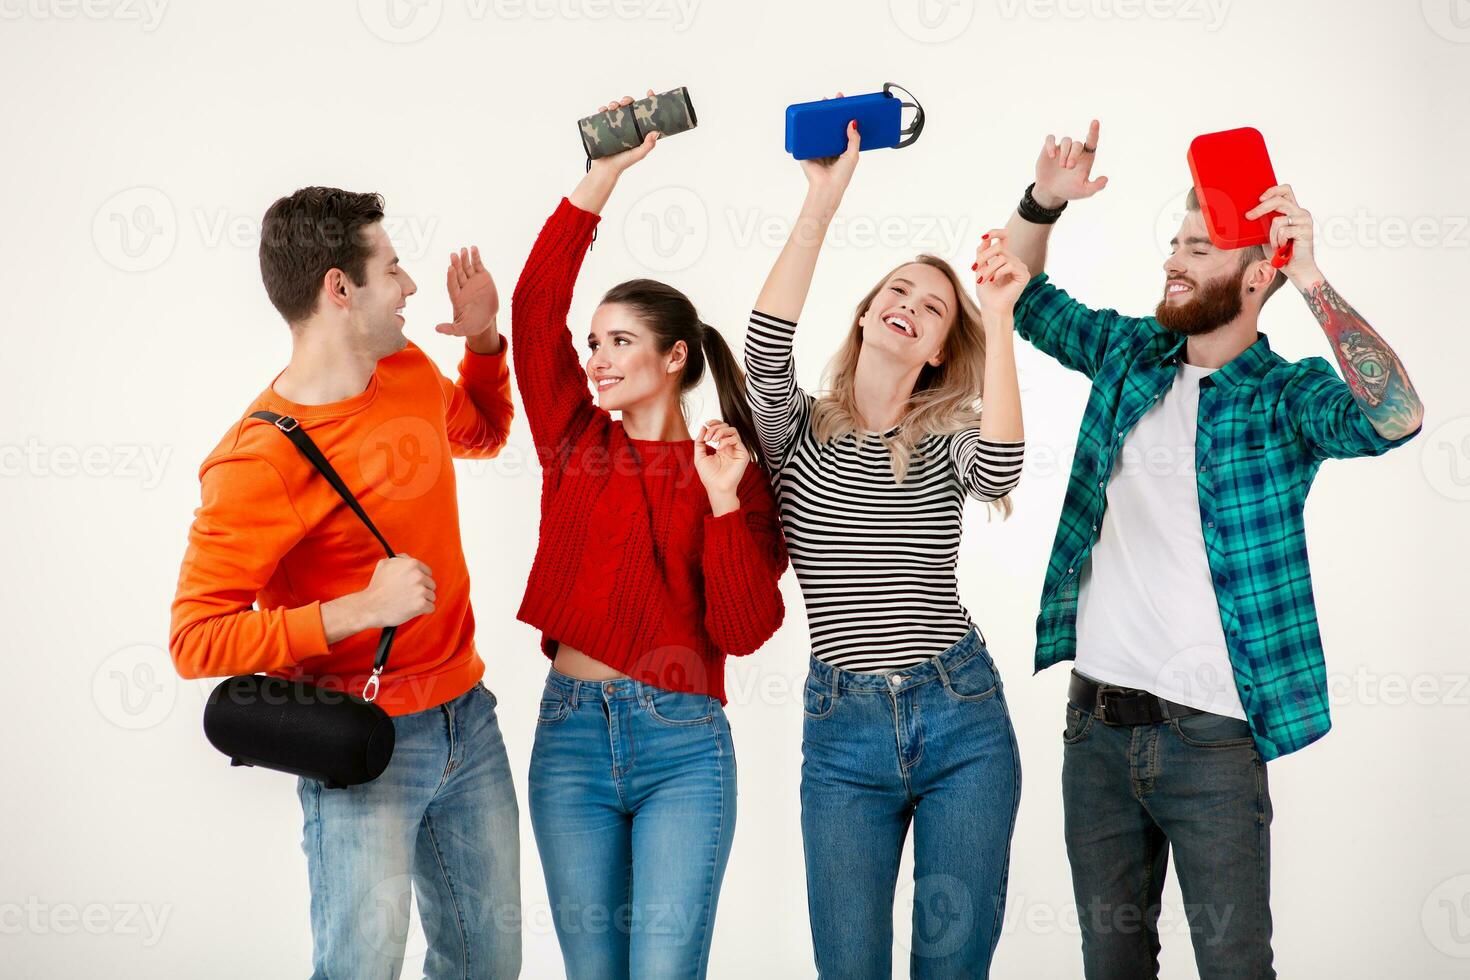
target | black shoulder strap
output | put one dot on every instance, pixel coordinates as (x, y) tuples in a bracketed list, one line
[(302, 441)]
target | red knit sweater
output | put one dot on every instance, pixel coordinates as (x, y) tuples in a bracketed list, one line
[(631, 568)]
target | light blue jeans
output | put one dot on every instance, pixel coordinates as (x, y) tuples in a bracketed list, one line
[(632, 794), (930, 745), (440, 821)]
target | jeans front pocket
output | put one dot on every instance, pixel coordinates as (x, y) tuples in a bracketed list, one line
[(973, 679), (1212, 731), (817, 701), (1079, 724), (554, 708), (678, 709)]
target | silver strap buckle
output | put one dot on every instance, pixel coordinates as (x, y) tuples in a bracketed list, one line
[(370, 689)]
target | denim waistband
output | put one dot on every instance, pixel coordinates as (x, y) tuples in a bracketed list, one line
[(969, 645), (621, 689)]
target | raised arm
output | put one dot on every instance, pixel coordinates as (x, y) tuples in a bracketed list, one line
[(988, 459), (1379, 383), (549, 372), (477, 407), (1063, 172), (790, 279), (776, 401)]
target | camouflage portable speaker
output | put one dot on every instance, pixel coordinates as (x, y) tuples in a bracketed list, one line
[(623, 128)]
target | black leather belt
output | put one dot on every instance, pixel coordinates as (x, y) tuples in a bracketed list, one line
[(1124, 705)]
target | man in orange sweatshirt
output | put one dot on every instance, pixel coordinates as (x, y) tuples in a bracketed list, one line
[(280, 576)]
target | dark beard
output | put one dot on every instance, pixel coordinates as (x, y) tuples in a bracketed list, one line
[(1215, 304)]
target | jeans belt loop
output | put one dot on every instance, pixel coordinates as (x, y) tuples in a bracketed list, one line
[(943, 674)]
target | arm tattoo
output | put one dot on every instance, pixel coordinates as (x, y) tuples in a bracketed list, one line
[(1371, 368)]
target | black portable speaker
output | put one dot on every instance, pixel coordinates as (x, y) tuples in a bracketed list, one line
[(299, 728)]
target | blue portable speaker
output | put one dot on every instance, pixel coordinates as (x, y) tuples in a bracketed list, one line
[(819, 129)]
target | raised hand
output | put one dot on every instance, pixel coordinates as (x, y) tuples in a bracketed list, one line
[(1000, 275), (720, 459), (619, 162), (832, 174), (1293, 224), (473, 298), (1063, 169)]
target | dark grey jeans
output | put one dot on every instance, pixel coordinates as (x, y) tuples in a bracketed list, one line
[(1194, 785)]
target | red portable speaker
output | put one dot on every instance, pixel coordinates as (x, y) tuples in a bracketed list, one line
[(1231, 170)]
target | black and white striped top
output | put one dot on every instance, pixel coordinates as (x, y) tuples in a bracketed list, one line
[(875, 557)]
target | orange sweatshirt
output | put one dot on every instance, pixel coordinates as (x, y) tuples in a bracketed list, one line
[(271, 531)]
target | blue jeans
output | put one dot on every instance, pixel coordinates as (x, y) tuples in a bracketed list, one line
[(1196, 785), (930, 745), (632, 794), (442, 818)]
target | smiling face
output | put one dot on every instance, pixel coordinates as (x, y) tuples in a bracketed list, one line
[(624, 363), (910, 316), (1204, 286), (375, 307)]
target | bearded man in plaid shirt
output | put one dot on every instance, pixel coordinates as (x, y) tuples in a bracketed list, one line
[(1178, 581)]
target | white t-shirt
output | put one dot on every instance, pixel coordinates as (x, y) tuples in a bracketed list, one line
[(1147, 616)]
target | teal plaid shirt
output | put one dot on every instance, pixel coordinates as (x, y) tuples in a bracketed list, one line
[(1265, 424)]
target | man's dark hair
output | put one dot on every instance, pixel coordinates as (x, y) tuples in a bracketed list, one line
[(308, 233)]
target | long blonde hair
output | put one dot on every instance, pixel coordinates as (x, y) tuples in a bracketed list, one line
[(945, 399)]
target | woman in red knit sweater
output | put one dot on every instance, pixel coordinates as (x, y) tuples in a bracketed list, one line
[(659, 554)]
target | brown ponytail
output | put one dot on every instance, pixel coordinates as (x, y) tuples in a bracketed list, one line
[(671, 317)]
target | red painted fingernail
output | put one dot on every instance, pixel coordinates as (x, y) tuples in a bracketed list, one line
[(984, 236), (974, 266)]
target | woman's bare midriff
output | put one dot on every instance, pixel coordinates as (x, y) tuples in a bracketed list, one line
[(575, 663)]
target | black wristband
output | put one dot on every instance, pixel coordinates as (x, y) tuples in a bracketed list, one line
[(1035, 213)]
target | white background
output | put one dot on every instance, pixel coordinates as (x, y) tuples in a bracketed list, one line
[(144, 144)]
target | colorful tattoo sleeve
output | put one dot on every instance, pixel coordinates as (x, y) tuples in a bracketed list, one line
[(1371, 368)]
